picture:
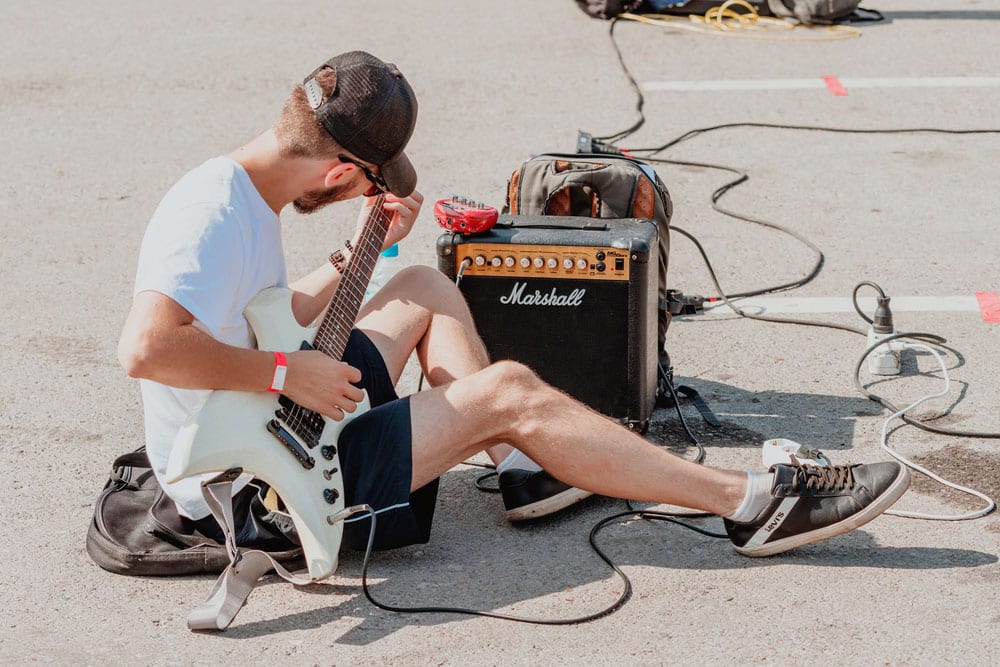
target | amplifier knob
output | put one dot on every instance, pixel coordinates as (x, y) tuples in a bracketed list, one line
[(581, 264), (496, 261), (509, 261), (568, 263), (552, 262), (539, 262), (480, 260), (525, 262)]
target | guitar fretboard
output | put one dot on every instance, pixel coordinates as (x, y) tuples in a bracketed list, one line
[(335, 329)]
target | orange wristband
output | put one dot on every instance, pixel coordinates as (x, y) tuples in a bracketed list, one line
[(280, 370)]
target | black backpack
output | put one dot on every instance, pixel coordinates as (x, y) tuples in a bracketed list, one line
[(598, 186), (137, 530), (807, 12)]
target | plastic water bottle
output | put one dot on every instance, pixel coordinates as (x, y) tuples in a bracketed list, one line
[(386, 266)]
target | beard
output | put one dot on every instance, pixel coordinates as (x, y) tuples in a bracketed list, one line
[(314, 200)]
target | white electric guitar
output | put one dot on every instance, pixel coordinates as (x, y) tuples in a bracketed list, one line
[(291, 448)]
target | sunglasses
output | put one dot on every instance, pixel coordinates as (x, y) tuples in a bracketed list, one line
[(374, 178)]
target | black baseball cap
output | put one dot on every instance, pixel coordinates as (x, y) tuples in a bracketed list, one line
[(371, 112)]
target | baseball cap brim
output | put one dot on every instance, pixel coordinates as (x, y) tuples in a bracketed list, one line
[(399, 174)]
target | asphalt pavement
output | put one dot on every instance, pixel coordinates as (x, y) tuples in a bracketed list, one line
[(105, 104)]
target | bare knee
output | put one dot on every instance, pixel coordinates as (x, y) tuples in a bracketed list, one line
[(518, 395), (424, 284)]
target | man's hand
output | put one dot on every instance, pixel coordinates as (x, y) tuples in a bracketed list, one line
[(319, 383), (160, 343), (404, 212)]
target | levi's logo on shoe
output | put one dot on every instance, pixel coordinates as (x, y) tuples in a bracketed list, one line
[(775, 522)]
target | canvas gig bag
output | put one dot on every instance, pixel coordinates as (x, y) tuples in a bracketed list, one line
[(806, 12), (597, 186), (137, 530)]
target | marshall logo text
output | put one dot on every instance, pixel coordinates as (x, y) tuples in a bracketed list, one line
[(536, 298)]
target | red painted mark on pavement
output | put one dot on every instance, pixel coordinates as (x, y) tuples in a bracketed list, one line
[(834, 86), (989, 305)]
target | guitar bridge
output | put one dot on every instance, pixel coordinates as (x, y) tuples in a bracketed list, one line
[(275, 428), (306, 424)]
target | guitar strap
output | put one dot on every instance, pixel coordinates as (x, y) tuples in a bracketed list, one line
[(245, 567)]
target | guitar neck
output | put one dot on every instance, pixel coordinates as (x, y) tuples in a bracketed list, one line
[(335, 328)]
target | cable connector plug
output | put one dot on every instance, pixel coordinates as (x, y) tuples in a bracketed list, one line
[(586, 143), (884, 359), (678, 303)]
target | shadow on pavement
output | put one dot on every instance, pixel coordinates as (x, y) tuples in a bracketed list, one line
[(546, 570)]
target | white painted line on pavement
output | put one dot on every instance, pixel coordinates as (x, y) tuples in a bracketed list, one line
[(914, 304), (820, 83)]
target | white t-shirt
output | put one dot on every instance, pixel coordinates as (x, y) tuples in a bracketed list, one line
[(212, 245)]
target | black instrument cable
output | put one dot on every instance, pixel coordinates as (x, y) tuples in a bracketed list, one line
[(623, 597), (606, 144), (743, 177), (631, 514)]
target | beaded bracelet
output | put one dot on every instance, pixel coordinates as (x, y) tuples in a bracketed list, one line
[(337, 259)]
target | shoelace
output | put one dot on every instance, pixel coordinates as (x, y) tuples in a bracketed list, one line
[(817, 478)]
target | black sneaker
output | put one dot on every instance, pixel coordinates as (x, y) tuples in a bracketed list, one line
[(813, 503), (531, 494)]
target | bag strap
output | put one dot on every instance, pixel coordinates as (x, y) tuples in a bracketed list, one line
[(136, 459), (122, 470), (233, 586), (246, 567)]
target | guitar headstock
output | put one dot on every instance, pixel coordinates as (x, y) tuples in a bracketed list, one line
[(464, 216)]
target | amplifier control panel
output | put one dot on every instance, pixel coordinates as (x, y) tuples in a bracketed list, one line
[(548, 261)]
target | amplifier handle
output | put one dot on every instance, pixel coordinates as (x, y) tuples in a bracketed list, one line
[(553, 222)]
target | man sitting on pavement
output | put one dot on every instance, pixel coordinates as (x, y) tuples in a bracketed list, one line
[(214, 242)]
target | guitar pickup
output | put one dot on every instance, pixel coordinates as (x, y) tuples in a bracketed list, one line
[(275, 428)]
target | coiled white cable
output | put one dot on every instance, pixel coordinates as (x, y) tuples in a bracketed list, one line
[(990, 503)]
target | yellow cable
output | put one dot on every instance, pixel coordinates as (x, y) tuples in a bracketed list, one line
[(725, 21)]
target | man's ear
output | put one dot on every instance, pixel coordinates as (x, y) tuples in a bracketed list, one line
[(338, 173)]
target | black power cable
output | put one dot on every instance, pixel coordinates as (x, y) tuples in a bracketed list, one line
[(640, 100), (674, 517), (640, 103), (743, 177)]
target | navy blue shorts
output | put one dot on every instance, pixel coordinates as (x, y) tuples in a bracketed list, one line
[(376, 459)]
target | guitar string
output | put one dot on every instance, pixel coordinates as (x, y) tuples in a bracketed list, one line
[(348, 296), (327, 340), (322, 340)]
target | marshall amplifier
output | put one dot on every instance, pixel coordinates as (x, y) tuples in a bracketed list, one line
[(574, 298)]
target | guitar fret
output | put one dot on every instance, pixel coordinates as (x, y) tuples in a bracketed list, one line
[(342, 311), (334, 331)]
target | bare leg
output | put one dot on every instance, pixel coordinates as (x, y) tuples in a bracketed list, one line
[(475, 407), (508, 403), (420, 309)]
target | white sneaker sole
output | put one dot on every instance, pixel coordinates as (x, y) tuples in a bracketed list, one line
[(881, 504), (548, 505)]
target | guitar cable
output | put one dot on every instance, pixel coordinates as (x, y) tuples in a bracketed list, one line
[(607, 144), (622, 598), (621, 517)]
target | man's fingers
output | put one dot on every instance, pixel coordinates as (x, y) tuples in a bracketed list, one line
[(354, 394), (352, 374)]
